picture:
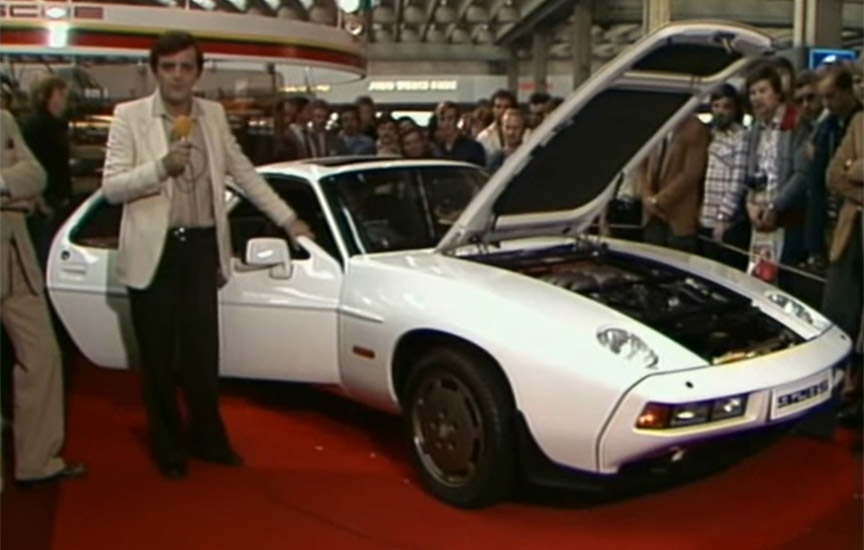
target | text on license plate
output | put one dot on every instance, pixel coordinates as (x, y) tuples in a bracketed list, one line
[(802, 394)]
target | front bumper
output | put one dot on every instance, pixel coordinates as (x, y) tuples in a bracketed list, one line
[(662, 468), (775, 385)]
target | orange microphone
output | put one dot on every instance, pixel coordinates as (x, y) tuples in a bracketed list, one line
[(182, 127)]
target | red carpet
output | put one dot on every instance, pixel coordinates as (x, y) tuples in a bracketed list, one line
[(324, 473)]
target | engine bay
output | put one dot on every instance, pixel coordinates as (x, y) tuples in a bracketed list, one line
[(708, 319)]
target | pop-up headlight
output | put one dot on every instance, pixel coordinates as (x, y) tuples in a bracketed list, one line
[(798, 310), (628, 346)]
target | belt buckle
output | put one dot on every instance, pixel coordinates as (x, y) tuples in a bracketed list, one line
[(179, 233)]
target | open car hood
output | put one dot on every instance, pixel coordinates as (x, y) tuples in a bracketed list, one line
[(562, 177)]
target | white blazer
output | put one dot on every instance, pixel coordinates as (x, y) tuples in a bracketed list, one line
[(136, 145)]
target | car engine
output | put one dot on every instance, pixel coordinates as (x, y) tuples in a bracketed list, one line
[(706, 318)]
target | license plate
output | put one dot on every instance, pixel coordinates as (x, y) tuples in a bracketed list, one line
[(801, 394)]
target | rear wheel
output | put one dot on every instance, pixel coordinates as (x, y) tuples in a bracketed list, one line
[(457, 414)]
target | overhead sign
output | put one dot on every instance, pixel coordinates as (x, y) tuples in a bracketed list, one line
[(413, 85), (826, 56)]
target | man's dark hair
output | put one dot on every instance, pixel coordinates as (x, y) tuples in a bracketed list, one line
[(298, 101), (539, 97), (505, 94), (320, 104), (729, 91), (764, 71), (780, 63), (364, 100), (554, 102), (841, 76), (416, 130), (402, 119), (385, 119), (806, 78), (349, 109), (172, 42), (44, 89), (447, 106)]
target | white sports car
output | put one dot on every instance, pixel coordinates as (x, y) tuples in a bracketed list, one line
[(509, 339)]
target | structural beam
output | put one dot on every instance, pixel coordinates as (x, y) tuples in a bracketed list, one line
[(656, 13), (818, 23), (400, 10), (513, 70), (540, 60), (430, 18), (583, 15), (460, 15), (533, 14), (767, 13)]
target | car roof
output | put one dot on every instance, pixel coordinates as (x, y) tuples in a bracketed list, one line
[(319, 168)]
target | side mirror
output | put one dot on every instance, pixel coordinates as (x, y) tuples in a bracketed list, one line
[(270, 252)]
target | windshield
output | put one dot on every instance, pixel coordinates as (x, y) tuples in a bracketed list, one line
[(400, 208)]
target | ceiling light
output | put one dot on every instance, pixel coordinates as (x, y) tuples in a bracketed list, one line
[(476, 14), (348, 6), (460, 36), (413, 14), (56, 12), (58, 34), (445, 14)]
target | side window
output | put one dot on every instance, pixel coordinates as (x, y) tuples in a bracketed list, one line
[(100, 227), (247, 222)]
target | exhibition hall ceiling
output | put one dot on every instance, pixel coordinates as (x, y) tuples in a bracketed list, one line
[(491, 29)]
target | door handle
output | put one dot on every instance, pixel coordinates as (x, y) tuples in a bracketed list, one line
[(74, 269)]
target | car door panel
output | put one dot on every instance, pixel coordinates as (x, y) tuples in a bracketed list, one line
[(83, 285), (283, 329)]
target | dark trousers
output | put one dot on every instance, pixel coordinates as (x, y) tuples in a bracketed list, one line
[(177, 327), (658, 232), (738, 235), (842, 301)]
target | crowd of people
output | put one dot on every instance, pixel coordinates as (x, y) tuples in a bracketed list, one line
[(484, 135), (786, 190)]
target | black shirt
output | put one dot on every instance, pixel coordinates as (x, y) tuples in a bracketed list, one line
[(464, 149), (48, 137)]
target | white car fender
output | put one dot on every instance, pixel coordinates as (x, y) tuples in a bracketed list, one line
[(543, 337)]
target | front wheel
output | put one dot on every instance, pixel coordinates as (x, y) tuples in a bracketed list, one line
[(457, 413)]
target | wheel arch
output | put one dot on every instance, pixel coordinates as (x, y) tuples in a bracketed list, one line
[(415, 343)]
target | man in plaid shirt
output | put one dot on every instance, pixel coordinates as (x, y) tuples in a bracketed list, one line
[(721, 217)]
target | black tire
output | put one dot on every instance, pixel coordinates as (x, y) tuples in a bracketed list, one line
[(457, 413)]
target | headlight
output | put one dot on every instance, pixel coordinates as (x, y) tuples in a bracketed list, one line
[(628, 346), (798, 310), (660, 416)]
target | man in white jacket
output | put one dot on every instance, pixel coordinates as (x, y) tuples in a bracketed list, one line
[(167, 159)]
